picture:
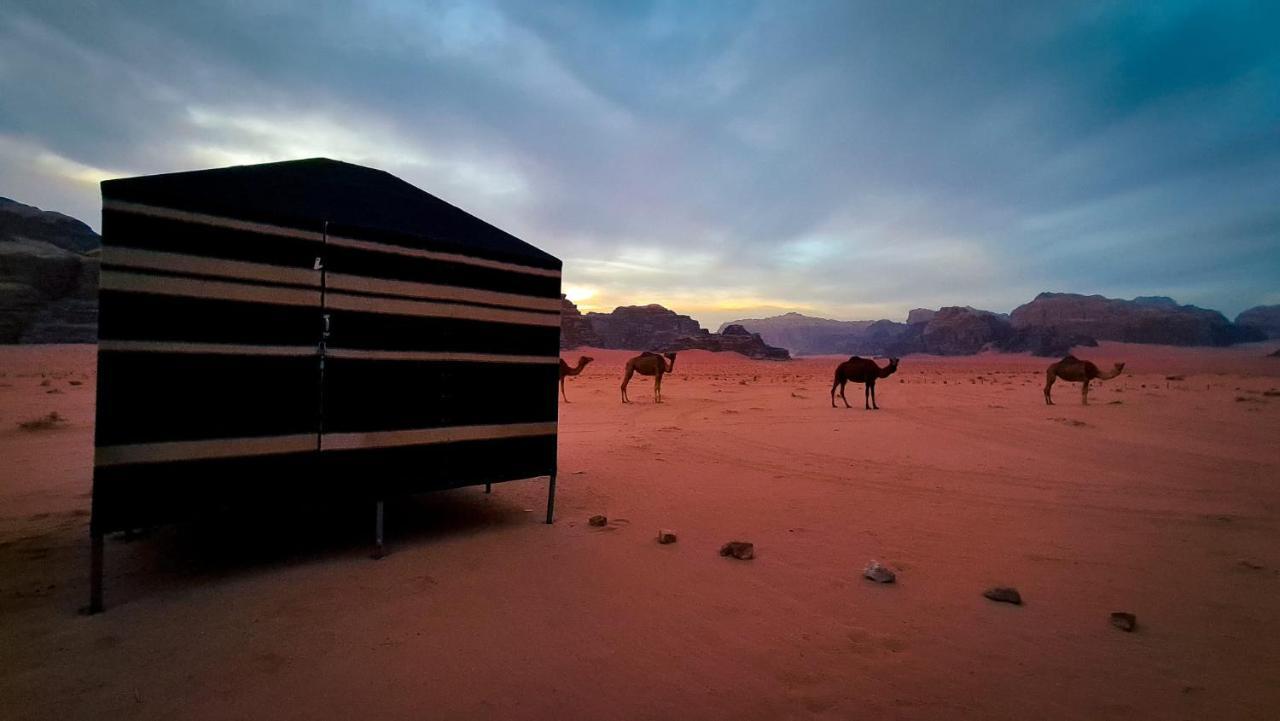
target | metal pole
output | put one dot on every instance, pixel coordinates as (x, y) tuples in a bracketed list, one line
[(95, 572), (551, 498), (379, 551)]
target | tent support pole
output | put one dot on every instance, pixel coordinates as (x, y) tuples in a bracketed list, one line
[(551, 498), (379, 550), (488, 488), (96, 544)]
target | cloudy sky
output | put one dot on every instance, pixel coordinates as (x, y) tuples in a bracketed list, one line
[(727, 159)]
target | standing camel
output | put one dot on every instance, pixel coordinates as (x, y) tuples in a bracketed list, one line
[(1075, 370), (649, 364), (861, 370), (565, 370)]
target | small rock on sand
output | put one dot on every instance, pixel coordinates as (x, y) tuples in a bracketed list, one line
[(1004, 594), (598, 521), (878, 573), (666, 536), (1124, 621), (741, 550)]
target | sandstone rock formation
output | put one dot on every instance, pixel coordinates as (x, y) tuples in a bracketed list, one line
[(802, 334), (733, 338), (575, 330), (48, 277), (1263, 318), (1141, 320), (642, 327)]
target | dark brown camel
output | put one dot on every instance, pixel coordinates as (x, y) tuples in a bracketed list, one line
[(565, 370), (649, 364), (1075, 370), (861, 370)]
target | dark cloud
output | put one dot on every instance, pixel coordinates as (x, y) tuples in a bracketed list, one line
[(846, 158)]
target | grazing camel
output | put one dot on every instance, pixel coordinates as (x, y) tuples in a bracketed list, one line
[(565, 370), (861, 370), (649, 364), (1075, 370)]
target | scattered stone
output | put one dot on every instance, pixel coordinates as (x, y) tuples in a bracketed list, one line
[(666, 536), (598, 521), (741, 550), (1245, 563), (878, 573), (1004, 594), (1126, 622), (1175, 378)]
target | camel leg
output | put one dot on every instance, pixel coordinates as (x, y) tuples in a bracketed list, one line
[(1048, 385), (657, 388), (834, 383), (874, 405), (846, 400), (625, 380), (566, 398), (1084, 393)]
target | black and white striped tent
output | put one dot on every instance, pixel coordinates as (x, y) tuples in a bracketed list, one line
[(312, 328)]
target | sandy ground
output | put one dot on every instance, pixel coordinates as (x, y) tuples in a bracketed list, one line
[(1162, 499)]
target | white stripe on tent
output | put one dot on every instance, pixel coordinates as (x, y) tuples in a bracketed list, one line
[(437, 255), (202, 450), (394, 306), (202, 265), (170, 451), (145, 346), (214, 289), (341, 281), (354, 354), (267, 229), (428, 436)]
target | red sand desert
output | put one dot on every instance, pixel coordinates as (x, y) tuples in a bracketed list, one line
[(1161, 499)]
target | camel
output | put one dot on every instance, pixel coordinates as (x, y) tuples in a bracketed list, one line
[(565, 370), (1075, 370), (649, 364), (861, 370)]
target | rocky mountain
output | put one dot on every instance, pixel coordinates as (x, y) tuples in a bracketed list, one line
[(48, 276), (642, 327), (920, 315), (653, 327), (731, 338), (1141, 320), (575, 330), (1263, 318), (802, 334)]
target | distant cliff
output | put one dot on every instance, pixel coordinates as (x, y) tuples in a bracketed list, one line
[(1141, 320), (1264, 319), (653, 327), (48, 276)]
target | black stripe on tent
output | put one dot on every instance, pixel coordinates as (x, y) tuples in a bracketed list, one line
[(151, 397), (365, 395), (370, 264), (138, 316), (416, 469), (137, 496), (379, 331), (132, 230)]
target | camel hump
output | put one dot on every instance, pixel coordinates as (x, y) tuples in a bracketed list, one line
[(856, 358), (1068, 358), (650, 353)]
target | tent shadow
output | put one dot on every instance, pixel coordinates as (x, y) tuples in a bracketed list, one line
[(242, 543)]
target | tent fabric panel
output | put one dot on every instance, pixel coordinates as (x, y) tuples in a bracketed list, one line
[(129, 496), (147, 317), (147, 397), (227, 240), (356, 330), (376, 395), (412, 469)]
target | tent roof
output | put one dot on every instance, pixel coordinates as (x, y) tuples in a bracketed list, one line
[(356, 200)]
